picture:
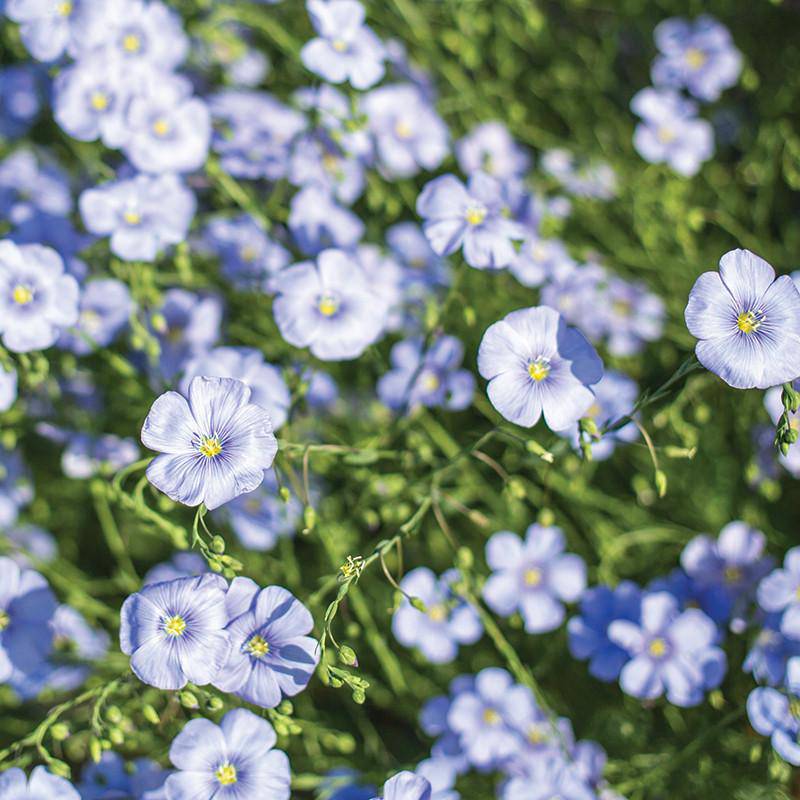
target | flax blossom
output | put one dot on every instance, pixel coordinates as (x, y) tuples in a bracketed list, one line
[(213, 448), (747, 321)]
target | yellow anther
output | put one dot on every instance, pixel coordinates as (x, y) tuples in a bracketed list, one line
[(695, 57), (131, 43), (430, 381), (733, 574), (161, 127), (210, 446), (5, 620), (339, 45), (491, 717), (533, 576), (657, 648), (748, 321), (132, 217), (666, 135), (64, 9), (226, 774), (539, 369), (248, 253), (328, 305), (475, 215), (403, 129), (99, 101), (175, 626), (22, 295), (258, 646), (438, 613)]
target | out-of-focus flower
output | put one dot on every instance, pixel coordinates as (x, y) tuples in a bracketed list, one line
[(429, 378), (42, 784), (539, 260), (747, 322), (112, 778), (317, 222), (670, 131), (490, 148), (345, 49), (473, 217), (594, 179), (174, 631), (766, 446), (588, 633), (770, 713), (47, 29), (406, 786), (105, 308), (235, 758), (16, 489), (30, 186), (318, 161), (548, 777), (328, 306), (271, 654), (267, 386), (409, 134), (779, 592), (671, 651), (699, 56), (213, 448), (37, 299), (446, 622), (185, 564), (534, 576), (770, 653), (21, 88), (87, 455), (536, 364)]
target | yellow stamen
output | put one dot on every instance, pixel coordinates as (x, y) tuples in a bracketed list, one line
[(226, 774), (248, 253), (339, 45), (695, 58), (622, 308), (210, 446), (438, 613), (536, 735), (99, 101), (748, 321), (175, 626), (475, 215), (657, 648), (64, 9), (539, 369), (403, 129), (533, 576), (161, 127), (430, 381), (22, 295), (5, 620), (490, 716), (132, 217), (328, 305), (733, 574), (257, 646), (132, 43), (666, 135)]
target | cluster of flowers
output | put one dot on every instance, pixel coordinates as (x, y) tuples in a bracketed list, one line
[(701, 58)]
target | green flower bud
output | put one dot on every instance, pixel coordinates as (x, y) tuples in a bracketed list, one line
[(348, 656), (59, 768), (359, 696), (189, 700), (59, 731), (218, 545), (150, 714), (95, 750), (215, 704), (285, 494)]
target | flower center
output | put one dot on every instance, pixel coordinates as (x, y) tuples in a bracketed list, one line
[(733, 574), (161, 127), (175, 626), (328, 305), (490, 716), (475, 214), (749, 321), (226, 774), (64, 9), (657, 648), (22, 295), (539, 369), (536, 734), (132, 217), (210, 446), (330, 163), (695, 57), (403, 129), (99, 101), (666, 135), (131, 43), (430, 381), (532, 576), (5, 620), (258, 646), (248, 253), (438, 613), (339, 45)]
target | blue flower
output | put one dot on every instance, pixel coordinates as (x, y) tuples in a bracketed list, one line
[(267, 386), (670, 131), (87, 455), (409, 245), (429, 378), (481, 718), (441, 775), (174, 631), (548, 778), (249, 256), (8, 387), (671, 651), (539, 260), (105, 308), (473, 217), (271, 656), (779, 592), (234, 759), (490, 148), (30, 542), (635, 316), (26, 609), (317, 222), (91, 97), (771, 714), (319, 161), (46, 29), (21, 88), (534, 576), (770, 653), (747, 322), (588, 633), (142, 215), (406, 786), (29, 187), (43, 785), (409, 135), (213, 448), (110, 779), (16, 489), (169, 128), (536, 365), (345, 48), (260, 518), (329, 306), (580, 177), (182, 565), (726, 572), (446, 622), (37, 299), (699, 56)]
